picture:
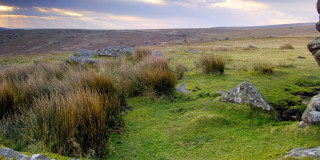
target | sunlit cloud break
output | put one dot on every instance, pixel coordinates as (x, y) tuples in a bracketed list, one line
[(239, 4), (7, 8)]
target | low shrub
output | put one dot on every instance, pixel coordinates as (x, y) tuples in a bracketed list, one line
[(263, 68), (286, 46), (210, 64), (180, 70), (139, 54)]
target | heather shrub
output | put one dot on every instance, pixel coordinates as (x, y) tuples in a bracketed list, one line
[(139, 54), (180, 70), (263, 68), (211, 64)]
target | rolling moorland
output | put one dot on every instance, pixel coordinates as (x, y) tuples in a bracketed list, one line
[(163, 123)]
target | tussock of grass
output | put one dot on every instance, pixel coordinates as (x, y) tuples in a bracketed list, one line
[(286, 46), (71, 110), (263, 68), (180, 70), (139, 54), (211, 64)]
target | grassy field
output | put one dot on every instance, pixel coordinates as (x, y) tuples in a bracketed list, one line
[(200, 126)]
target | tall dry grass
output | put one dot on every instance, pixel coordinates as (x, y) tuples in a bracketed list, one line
[(71, 109), (263, 68), (211, 64), (139, 54)]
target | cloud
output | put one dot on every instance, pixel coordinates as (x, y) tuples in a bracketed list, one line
[(66, 12), (7, 8), (239, 4)]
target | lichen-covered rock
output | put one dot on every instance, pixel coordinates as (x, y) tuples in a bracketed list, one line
[(183, 88), (115, 51), (9, 153), (39, 157), (312, 114), (314, 48), (304, 152), (156, 53), (251, 47), (246, 93), (193, 51), (83, 56)]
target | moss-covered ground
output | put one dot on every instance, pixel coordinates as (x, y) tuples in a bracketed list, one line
[(200, 126)]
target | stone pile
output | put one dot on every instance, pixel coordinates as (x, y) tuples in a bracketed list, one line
[(115, 51)]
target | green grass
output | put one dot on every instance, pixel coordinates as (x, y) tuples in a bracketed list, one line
[(200, 126)]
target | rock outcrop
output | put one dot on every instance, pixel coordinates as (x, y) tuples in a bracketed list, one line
[(193, 51), (312, 114), (251, 47), (304, 152), (314, 46), (12, 154), (246, 93), (115, 51), (83, 56)]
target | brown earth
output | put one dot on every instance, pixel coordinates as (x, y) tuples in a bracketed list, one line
[(63, 40)]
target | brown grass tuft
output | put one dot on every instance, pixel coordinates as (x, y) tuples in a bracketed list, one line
[(286, 46), (139, 54), (263, 68), (210, 64)]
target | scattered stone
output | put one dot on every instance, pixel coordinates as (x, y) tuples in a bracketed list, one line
[(183, 88), (83, 56), (312, 114), (219, 92), (156, 53), (301, 57), (9, 153), (304, 152), (251, 47), (39, 157), (303, 125), (246, 93), (192, 50), (115, 51)]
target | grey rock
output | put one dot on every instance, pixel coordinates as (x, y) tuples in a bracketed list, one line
[(156, 53), (220, 92), (312, 114), (314, 46), (318, 26), (304, 152), (246, 93), (303, 125), (192, 50), (9, 153), (183, 88), (39, 157), (251, 47), (83, 56), (115, 51)]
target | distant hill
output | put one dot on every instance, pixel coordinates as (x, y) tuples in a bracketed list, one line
[(2, 29), (275, 26), (23, 41)]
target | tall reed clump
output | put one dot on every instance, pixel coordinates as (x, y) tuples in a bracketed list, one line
[(71, 110), (263, 68), (77, 124), (180, 70), (139, 54), (155, 74), (211, 64)]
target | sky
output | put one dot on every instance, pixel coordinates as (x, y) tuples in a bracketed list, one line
[(153, 14)]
